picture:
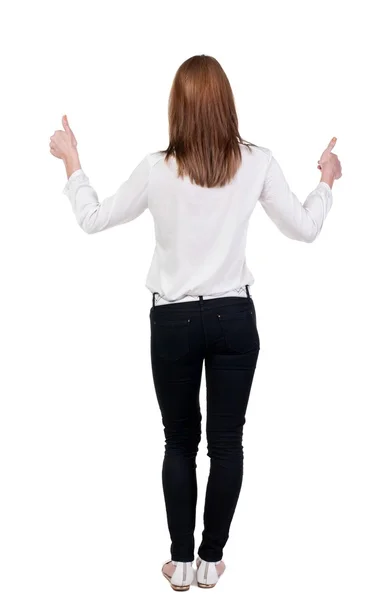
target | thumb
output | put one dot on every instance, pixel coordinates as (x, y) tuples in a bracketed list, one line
[(65, 124), (331, 144)]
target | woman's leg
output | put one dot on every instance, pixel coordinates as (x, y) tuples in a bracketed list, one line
[(177, 379), (229, 376)]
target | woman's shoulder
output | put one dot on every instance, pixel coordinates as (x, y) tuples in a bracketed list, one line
[(251, 148), (154, 157), (256, 157)]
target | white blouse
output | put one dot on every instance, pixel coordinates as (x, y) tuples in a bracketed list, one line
[(200, 233)]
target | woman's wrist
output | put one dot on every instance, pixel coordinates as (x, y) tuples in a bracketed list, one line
[(72, 163), (328, 177)]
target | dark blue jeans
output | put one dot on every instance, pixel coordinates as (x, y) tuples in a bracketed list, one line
[(222, 333)]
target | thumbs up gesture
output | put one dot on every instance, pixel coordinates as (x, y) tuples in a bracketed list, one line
[(329, 161), (63, 143)]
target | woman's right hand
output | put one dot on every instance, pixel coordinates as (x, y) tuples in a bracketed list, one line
[(329, 163)]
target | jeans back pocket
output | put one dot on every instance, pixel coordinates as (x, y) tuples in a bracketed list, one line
[(239, 330), (170, 338)]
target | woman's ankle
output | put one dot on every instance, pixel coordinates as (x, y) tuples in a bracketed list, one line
[(216, 562)]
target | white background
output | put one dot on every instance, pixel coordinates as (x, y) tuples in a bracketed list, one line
[(81, 440)]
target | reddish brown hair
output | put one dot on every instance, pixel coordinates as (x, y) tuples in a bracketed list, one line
[(203, 124)]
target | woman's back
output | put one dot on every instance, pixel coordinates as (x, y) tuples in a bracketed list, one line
[(200, 232)]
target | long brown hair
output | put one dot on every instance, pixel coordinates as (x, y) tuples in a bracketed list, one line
[(203, 124)]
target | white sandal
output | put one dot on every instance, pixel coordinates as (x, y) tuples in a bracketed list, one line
[(182, 577), (207, 575)]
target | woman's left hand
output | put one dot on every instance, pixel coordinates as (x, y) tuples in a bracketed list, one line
[(63, 144)]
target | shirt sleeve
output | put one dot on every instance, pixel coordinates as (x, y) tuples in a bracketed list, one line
[(129, 201), (301, 222)]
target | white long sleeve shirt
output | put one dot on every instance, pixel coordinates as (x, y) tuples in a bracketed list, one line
[(200, 233)]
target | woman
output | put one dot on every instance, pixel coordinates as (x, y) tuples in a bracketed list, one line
[(201, 192)]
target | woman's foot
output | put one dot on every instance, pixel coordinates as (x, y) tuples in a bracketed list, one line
[(169, 568), (208, 573), (180, 575)]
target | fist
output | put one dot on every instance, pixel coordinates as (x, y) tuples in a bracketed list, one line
[(330, 161), (63, 143)]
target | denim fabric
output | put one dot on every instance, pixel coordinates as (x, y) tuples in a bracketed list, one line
[(222, 334)]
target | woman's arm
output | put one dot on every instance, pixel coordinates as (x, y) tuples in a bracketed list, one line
[(126, 204), (301, 222)]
